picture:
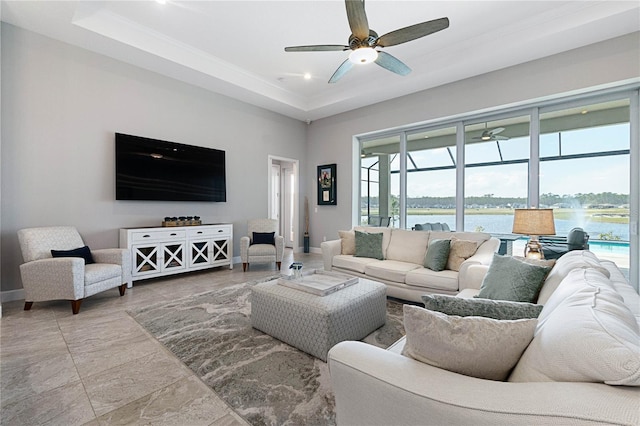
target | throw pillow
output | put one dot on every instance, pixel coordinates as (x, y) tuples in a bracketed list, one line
[(83, 252), (264, 238), (509, 278), (369, 245), (496, 309), (460, 251), (437, 255), (474, 346), (585, 333), (347, 242)]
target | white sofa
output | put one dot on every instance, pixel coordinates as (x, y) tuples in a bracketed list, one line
[(374, 386), (402, 269)]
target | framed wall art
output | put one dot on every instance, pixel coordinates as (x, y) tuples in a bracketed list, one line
[(327, 193)]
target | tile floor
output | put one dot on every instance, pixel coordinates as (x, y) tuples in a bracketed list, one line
[(101, 368)]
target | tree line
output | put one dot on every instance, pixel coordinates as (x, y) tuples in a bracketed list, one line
[(608, 199)]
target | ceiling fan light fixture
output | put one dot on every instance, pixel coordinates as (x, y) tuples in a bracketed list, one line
[(363, 55)]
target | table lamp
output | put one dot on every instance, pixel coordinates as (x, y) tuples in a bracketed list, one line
[(533, 222)]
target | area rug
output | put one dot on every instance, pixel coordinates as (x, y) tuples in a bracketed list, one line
[(266, 381)]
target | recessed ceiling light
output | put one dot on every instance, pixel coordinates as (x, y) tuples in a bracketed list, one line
[(307, 76), (161, 1)]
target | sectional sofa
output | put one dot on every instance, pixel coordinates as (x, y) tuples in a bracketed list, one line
[(402, 266), (582, 365)]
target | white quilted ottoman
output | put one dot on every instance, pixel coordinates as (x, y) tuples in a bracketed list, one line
[(313, 323)]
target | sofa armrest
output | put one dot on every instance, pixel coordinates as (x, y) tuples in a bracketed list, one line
[(374, 386), (116, 256), (330, 249), (473, 277), (52, 279), (482, 256)]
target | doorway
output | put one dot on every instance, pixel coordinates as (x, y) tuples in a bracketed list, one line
[(283, 198)]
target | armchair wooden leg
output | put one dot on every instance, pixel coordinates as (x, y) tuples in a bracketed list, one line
[(28, 305), (75, 306), (244, 267), (278, 264), (122, 289)]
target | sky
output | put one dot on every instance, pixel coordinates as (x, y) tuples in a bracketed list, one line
[(564, 177)]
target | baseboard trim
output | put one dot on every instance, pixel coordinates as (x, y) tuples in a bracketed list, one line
[(11, 295)]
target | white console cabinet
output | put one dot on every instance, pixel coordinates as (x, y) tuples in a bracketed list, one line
[(156, 252)]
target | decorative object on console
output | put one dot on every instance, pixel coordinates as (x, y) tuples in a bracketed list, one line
[(182, 221), (533, 222), (327, 193)]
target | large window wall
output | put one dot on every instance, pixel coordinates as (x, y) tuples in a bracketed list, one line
[(471, 173)]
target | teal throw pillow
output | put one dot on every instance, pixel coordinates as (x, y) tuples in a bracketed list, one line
[(437, 255), (369, 245), (509, 278), (496, 309)]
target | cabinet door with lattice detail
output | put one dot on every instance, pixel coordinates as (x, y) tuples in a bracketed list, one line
[(173, 256), (221, 252), (146, 260), (200, 253)]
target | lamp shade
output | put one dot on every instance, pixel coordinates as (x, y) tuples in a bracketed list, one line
[(533, 222)]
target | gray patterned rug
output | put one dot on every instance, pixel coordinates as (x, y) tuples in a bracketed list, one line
[(264, 380)]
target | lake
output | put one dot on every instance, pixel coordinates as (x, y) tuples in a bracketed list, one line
[(502, 224)]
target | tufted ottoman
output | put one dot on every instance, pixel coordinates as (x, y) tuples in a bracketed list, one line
[(313, 323)]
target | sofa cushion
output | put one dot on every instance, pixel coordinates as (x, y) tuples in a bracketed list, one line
[(347, 242), (510, 278), (474, 346), (585, 333), (479, 237), (459, 251), (352, 263), (496, 309), (407, 246), (390, 270), (563, 266), (369, 245), (437, 255), (425, 277), (386, 235), (83, 252)]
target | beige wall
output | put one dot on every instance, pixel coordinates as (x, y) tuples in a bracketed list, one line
[(61, 106)]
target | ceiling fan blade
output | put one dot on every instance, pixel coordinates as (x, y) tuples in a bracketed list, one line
[(496, 130), (341, 71), (317, 48), (392, 63), (499, 138), (412, 32), (357, 18)]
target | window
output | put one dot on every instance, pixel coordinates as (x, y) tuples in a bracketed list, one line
[(431, 177), (496, 173)]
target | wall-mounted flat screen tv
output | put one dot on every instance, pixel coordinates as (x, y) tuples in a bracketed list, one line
[(151, 169)]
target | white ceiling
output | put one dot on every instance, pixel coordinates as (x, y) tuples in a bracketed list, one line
[(237, 47)]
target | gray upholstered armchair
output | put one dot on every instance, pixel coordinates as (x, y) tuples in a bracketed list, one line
[(260, 246), (45, 277)]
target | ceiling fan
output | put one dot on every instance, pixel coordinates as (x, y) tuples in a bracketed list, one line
[(364, 41), (491, 135)]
